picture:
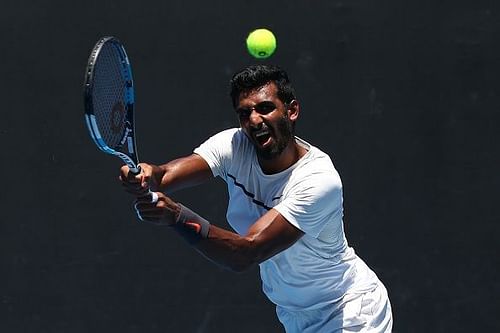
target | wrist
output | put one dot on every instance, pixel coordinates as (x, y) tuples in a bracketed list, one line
[(157, 175), (177, 212), (190, 225)]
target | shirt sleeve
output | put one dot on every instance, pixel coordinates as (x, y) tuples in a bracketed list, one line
[(313, 202), (217, 152)]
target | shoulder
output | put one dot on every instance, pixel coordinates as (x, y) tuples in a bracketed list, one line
[(225, 139), (317, 170), (222, 149), (235, 136), (314, 182), (313, 195), (227, 134)]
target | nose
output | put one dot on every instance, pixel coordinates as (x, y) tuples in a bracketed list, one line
[(254, 119)]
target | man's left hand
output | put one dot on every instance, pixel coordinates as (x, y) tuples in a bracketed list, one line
[(162, 212)]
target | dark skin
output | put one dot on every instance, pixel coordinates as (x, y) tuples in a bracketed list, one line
[(271, 233)]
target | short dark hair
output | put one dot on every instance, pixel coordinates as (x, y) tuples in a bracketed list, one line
[(256, 76)]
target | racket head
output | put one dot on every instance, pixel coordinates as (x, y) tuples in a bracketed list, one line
[(109, 101)]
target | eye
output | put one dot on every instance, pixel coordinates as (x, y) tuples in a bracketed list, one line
[(243, 113), (262, 108), (265, 107)]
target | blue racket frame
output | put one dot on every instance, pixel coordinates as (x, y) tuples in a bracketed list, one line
[(127, 149)]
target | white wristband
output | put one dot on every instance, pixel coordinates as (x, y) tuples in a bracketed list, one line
[(154, 197)]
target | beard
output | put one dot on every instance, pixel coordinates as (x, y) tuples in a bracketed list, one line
[(282, 135)]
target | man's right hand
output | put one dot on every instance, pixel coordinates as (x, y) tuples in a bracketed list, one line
[(140, 184)]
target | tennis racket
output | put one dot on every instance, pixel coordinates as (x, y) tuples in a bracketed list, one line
[(109, 102)]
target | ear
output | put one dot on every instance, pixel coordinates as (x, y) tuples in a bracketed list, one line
[(293, 110)]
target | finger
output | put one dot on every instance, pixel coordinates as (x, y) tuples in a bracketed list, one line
[(140, 204), (136, 187), (126, 176), (137, 194), (136, 190), (144, 180), (134, 177), (138, 211), (151, 197), (148, 209), (126, 172), (138, 178), (153, 221), (131, 185), (124, 169), (144, 204), (149, 215)]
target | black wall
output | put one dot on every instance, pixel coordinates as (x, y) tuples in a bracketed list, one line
[(404, 95)]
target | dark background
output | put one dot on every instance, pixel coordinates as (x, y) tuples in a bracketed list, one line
[(404, 95)]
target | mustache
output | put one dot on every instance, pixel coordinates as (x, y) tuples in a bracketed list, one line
[(259, 128)]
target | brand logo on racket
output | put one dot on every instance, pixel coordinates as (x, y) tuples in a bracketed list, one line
[(117, 116), (128, 130)]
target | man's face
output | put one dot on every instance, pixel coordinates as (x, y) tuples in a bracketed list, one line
[(265, 120)]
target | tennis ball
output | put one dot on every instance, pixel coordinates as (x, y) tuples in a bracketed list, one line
[(261, 43)]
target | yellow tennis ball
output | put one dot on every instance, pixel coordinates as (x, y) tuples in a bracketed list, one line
[(261, 43)]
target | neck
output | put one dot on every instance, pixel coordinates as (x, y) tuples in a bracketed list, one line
[(288, 157)]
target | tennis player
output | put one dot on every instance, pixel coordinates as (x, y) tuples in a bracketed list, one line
[(285, 206)]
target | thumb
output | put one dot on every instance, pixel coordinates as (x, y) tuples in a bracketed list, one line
[(144, 180)]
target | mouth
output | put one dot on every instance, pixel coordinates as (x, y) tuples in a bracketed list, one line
[(262, 137)]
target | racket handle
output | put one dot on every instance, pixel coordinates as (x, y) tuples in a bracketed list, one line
[(154, 196), (135, 171)]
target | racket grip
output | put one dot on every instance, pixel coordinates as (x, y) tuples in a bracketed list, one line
[(135, 170), (154, 196)]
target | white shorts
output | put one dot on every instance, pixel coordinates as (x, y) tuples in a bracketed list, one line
[(370, 312)]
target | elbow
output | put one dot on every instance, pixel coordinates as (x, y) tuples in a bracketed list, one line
[(244, 257)]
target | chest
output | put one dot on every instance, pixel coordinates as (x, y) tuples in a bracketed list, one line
[(252, 194)]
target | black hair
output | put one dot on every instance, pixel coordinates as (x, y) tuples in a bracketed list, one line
[(256, 76)]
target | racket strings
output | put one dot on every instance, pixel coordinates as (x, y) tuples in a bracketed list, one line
[(109, 95)]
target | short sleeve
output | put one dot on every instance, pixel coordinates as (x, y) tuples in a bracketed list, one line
[(313, 202), (217, 151)]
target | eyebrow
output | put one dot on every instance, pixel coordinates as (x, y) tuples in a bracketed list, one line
[(260, 103)]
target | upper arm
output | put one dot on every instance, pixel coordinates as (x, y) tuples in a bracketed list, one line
[(271, 234), (313, 203), (185, 172), (307, 208)]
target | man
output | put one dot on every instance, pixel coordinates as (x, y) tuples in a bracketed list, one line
[(285, 204)]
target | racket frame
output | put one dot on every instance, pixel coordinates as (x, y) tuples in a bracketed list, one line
[(129, 154)]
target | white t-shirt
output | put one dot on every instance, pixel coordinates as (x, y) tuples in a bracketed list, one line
[(320, 268)]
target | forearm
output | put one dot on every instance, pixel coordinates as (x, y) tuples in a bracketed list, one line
[(222, 247), (181, 173), (268, 236), (228, 249)]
